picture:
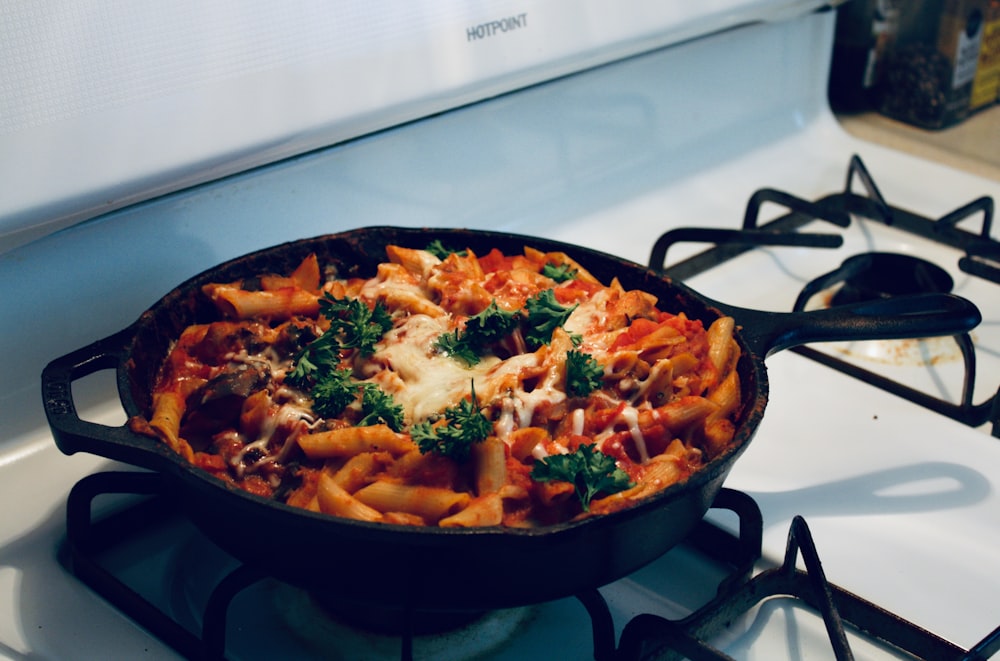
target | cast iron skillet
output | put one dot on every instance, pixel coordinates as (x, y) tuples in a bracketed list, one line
[(447, 569)]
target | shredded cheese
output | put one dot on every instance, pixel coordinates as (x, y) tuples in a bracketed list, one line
[(424, 381)]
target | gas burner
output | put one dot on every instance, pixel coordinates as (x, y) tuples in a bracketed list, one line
[(876, 275), (871, 275), (652, 637), (363, 633), (644, 636), (320, 622), (881, 276)]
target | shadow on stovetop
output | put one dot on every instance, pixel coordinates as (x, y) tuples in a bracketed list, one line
[(922, 487)]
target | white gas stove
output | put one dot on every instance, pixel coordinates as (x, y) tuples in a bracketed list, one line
[(900, 499)]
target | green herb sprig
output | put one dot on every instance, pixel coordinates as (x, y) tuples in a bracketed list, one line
[(318, 356), (583, 373), (440, 251), (378, 407), (559, 272), (489, 326), (465, 425), (332, 390), (455, 344), (541, 315), (545, 314), (354, 324), (589, 470)]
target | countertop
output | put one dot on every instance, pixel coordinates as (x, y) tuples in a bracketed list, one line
[(973, 145)]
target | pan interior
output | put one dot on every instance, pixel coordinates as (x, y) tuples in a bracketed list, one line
[(357, 253)]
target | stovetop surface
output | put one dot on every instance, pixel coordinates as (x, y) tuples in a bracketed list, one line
[(900, 500)]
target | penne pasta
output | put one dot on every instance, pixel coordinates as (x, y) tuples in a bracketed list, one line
[(555, 493), (490, 463), (483, 511), (360, 470), (306, 275), (720, 342), (429, 503), (418, 262), (726, 395), (282, 303), (448, 389), (683, 413), (334, 499), (349, 441), (524, 441), (168, 409)]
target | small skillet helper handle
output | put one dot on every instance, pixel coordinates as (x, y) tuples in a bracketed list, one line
[(900, 317), (73, 434)]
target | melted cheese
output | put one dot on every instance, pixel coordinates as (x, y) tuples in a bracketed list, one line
[(630, 416), (505, 423), (577, 419), (588, 314), (423, 381), (289, 415), (269, 356), (525, 403)]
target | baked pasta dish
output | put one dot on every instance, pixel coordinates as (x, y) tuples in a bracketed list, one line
[(449, 389)]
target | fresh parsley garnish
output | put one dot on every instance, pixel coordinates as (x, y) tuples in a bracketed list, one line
[(354, 324), (491, 325), (583, 373), (332, 391), (589, 470), (559, 272), (464, 425), (468, 345), (439, 250), (454, 344), (545, 314), (377, 406), (319, 355)]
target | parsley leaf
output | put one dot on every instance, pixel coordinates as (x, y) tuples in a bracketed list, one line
[(332, 391), (545, 314), (355, 324), (315, 358), (589, 470), (465, 425), (455, 345), (377, 406), (304, 367), (559, 272), (437, 249), (583, 373), (489, 326)]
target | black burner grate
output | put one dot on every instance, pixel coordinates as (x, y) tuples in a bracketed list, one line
[(645, 637), (649, 637), (981, 259)]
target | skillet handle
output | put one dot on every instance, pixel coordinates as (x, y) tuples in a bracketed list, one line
[(900, 317), (73, 434)]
